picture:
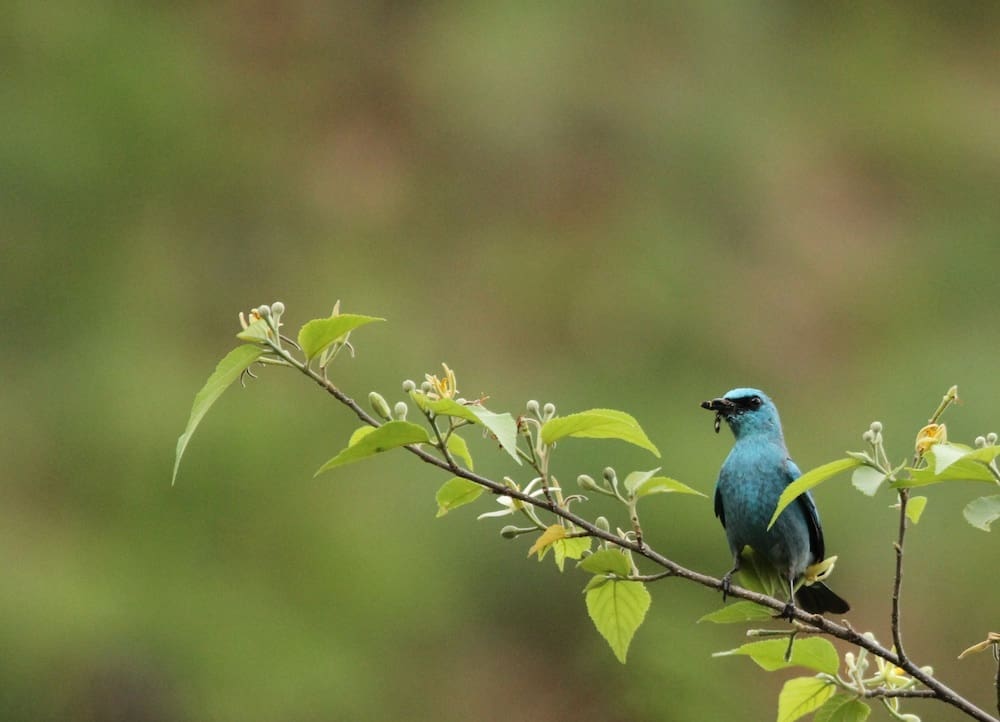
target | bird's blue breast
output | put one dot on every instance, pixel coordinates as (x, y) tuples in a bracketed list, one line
[(752, 478)]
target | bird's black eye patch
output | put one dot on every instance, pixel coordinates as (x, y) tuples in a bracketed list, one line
[(747, 403)]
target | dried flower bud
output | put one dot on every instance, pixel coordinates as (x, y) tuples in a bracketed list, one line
[(510, 532)]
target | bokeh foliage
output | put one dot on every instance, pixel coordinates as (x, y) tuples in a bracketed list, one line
[(636, 208)]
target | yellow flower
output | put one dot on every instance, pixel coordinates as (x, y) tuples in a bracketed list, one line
[(254, 316), (445, 388), (819, 571), (930, 435)]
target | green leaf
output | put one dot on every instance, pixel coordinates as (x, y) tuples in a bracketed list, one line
[(226, 372), (256, 332), (862, 456), (961, 470), (842, 708), (444, 407), (643, 483), (598, 424), (360, 433), (572, 548), (617, 609), (915, 507), (810, 479), (458, 447), (802, 695), (319, 333), (598, 580), (983, 511), (389, 435), (637, 478), (758, 574), (607, 561), (664, 485), (984, 454), (953, 462), (944, 455), (812, 653), (742, 611), (456, 492), (550, 536), (867, 479), (502, 426)]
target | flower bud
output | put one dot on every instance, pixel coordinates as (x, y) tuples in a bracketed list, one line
[(869, 436), (426, 386), (980, 442), (609, 475), (549, 410), (277, 308), (587, 483), (510, 532), (379, 405), (409, 386), (532, 407), (264, 310), (991, 438), (602, 524), (400, 410), (876, 427)]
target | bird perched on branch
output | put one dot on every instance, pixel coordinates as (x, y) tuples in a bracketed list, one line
[(752, 478)]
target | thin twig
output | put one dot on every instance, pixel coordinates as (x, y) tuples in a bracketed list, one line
[(904, 497), (914, 693), (996, 680), (897, 583)]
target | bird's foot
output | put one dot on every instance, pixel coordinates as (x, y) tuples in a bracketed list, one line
[(727, 583), (788, 612)]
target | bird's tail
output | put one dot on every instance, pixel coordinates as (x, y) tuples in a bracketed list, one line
[(819, 599)]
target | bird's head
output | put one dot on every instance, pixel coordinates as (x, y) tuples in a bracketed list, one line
[(747, 411)]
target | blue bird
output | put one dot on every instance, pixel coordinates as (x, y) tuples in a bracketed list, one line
[(752, 478)]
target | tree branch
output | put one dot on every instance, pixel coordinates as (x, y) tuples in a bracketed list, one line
[(935, 689)]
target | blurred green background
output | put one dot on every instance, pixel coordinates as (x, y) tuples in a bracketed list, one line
[(636, 206)]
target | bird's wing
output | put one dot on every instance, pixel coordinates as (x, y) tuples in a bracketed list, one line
[(808, 507), (719, 511)]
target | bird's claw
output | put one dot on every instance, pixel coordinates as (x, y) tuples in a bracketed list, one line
[(727, 582), (788, 612)]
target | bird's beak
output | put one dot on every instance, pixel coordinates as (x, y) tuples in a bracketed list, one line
[(721, 407)]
